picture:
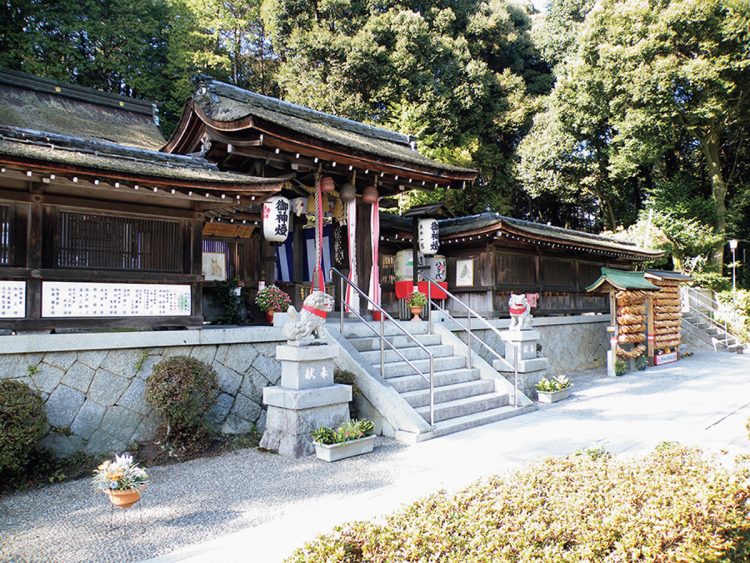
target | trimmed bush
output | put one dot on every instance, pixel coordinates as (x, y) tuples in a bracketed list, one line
[(672, 505), (23, 423), (182, 390)]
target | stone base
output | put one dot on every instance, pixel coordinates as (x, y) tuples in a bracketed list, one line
[(288, 431)]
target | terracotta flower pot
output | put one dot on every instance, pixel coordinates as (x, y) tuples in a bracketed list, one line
[(416, 311), (124, 499), (269, 316)]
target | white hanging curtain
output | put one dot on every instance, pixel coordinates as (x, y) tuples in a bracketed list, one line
[(352, 297), (374, 293)]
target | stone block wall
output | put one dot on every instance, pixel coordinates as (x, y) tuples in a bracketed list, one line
[(95, 398), (569, 343)]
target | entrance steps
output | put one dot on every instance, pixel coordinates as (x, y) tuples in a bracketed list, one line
[(463, 399), (712, 334)]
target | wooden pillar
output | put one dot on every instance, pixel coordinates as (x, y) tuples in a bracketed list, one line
[(34, 252), (194, 250), (650, 329), (612, 331)]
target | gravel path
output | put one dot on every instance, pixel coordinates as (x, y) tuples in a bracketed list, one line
[(258, 506)]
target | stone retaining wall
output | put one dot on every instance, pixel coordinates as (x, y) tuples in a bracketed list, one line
[(569, 343), (95, 397)]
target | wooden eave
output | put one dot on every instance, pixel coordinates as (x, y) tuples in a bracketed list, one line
[(194, 122), (253, 190), (502, 229)]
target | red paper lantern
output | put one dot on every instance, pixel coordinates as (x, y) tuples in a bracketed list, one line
[(370, 195), (327, 185)]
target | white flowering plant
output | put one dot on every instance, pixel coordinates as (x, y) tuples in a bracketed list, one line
[(122, 474)]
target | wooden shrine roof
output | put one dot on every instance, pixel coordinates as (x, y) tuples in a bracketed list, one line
[(32, 102), (528, 231), (66, 154), (240, 116), (622, 280)]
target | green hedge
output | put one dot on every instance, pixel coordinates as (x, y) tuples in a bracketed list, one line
[(23, 423), (673, 505)]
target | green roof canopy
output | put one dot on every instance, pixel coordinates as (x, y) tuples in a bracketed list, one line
[(621, 280)]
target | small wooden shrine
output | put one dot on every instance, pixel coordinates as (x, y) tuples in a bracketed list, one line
[(484, 258), (645, 311)]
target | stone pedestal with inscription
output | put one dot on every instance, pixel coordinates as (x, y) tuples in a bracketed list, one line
[(521, 353), (306, 399)]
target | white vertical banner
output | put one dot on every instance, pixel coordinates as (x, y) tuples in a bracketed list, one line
[(374, 292), (352, 297)]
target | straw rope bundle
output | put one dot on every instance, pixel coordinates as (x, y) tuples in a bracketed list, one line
[(631, 354), (631, 338), (631, 329)]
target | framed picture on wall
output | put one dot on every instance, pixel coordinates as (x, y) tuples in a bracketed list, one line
[(214, 266), (465, 272)]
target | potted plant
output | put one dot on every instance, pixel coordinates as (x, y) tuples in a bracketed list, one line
[(417, 303), (354, 437), (271, 299), (122, 480), (553, 390)]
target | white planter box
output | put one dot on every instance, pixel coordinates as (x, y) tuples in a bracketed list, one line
[(553, 396), (335, 452)]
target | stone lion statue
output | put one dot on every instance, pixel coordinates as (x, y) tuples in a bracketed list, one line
[(308, 321), (520, 312)]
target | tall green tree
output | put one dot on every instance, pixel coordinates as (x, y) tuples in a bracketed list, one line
[(648, 79), (460, 75)]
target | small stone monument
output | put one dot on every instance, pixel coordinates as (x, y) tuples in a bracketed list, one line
[(307, 397), (521, 345)]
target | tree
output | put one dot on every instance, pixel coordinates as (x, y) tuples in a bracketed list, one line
[(648, 80), (461, 76)]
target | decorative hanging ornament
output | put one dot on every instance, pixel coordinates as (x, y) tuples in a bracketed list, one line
[(348, 192), (299, 205), (311, 205), (276, 216), (370, 195), (327, 185), (429, 236)]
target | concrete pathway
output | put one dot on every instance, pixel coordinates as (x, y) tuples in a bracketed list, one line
[(252, 506)]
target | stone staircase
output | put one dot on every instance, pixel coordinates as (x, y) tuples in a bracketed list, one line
[(462, 398), (711, 333)]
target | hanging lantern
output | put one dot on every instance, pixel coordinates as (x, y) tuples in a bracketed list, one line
[(438, 268), (299, 205), (348, 192), (370, 195), (327, 185), (276, 216), (429, 236)]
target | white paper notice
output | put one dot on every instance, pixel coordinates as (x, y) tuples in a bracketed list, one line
[(12, 299), (71, 299)]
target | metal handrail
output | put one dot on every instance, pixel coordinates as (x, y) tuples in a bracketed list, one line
[(695, 300), (381, 335), (470, 335)]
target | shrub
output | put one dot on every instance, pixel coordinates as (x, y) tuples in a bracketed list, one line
[(641, 363), (620, 367), (557, 383), (23, 423), (350, 430), (182, 390), (272, 298), (672, 505), (418, 299)]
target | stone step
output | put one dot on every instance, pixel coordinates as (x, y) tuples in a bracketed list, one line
[(359, 329), (367, 344), (415, 382), (412, 353), (402, 368), (447, 393), (478, 419), (463, 407)]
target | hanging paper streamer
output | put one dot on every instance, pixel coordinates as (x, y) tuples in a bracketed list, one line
[(374, 292), (352, 297)]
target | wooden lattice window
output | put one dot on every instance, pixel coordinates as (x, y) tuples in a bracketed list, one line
[(5, 235), (92, 241)]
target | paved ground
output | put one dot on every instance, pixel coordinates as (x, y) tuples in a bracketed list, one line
[(253, 506)]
